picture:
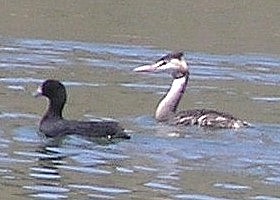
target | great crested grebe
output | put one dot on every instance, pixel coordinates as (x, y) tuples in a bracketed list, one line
[(175, 64), (53, 124)]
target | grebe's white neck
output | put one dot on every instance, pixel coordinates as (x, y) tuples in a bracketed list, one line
[(176, 66), (168, 105)]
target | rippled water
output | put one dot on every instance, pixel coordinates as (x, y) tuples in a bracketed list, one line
[(159, 162)]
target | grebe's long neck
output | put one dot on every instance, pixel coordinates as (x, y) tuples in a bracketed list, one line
[(171, 100)]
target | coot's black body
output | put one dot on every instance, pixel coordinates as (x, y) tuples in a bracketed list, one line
[(53, 124)]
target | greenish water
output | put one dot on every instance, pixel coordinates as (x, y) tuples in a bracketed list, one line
[(159, 161), (221, 27), (232, 49)]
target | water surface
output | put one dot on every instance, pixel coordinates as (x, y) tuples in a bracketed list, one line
[(159, 162), (222, 27)]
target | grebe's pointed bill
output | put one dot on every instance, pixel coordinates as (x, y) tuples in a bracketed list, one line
[(146, 68), (160, 66)]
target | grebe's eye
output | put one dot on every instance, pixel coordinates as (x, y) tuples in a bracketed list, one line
[(164, 62)]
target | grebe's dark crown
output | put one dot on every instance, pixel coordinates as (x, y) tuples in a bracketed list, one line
[(173, 55)]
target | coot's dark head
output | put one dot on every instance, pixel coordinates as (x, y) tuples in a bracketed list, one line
[(56, 93), (52, 89)]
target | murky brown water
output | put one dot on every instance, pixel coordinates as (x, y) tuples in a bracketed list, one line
[(152, 165), (203, 26)]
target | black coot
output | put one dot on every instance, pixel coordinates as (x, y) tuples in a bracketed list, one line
[(52, 123)]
